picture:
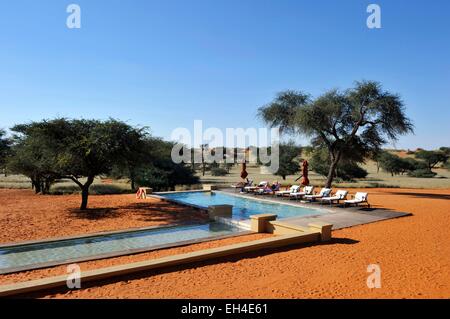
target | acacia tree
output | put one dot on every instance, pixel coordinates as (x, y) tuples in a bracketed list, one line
[(31, 158), (5, 149), (289, 160), (159, 171), (356, 121), (432, 158), (81, 149)]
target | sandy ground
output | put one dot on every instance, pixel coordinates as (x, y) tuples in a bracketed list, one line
[(413, 254), (26, 216)]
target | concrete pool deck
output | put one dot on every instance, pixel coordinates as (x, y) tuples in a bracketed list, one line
[(336, 215)]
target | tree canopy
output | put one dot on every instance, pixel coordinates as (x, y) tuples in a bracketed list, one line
[(289, 163), (76, 149), (5, 148), (347, 169), (433, 158), (355, 122)]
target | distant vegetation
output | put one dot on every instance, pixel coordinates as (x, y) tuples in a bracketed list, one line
[(420, 166)]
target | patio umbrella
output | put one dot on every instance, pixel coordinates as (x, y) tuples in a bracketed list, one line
[(244, 173), (305, 180)]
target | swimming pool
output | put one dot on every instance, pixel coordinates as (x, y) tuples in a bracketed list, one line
[(243, 207), (45, 254)]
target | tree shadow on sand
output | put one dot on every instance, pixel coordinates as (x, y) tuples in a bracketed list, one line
[(424, 195), (95, 213), (160, 213), (163, 211)]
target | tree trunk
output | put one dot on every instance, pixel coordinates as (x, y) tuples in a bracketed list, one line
[(132, 181), (37, 186), (84, 197), (47, 185), (332, 170), (331, 173), (85, 193)]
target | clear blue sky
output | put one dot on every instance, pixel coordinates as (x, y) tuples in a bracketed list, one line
[(166, 63)]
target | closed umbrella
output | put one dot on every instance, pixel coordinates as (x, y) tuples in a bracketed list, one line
[(305, 180), (244, 173)]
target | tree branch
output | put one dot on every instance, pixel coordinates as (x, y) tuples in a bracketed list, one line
[(75, 180)]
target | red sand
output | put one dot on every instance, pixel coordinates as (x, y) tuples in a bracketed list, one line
[(413, 253), (26, 216)]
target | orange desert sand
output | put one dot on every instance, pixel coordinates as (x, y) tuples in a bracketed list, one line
[(413, 252)]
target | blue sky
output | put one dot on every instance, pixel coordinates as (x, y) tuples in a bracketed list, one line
[(165, 64)]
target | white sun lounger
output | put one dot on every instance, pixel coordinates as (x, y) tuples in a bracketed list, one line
[(359, 198), (252, 188), (340, 195), (242, 185), (307, 190), (293, 189), (324, 192)]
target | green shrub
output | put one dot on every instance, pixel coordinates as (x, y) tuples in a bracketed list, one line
[(348, 171), (422, 173)]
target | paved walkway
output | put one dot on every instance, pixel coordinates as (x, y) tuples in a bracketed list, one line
[(346, 218)]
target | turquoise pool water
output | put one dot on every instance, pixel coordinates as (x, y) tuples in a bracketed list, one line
[(242, 207), (34, 256)]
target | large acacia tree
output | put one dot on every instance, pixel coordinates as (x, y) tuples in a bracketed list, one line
[(356, 122), (78, 150)]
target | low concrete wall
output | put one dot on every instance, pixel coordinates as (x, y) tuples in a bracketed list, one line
[(267, 223), (259, 223), (207, 187), (286, 234), (170, 261), (220, 211)]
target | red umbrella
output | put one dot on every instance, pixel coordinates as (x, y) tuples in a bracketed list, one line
[(305, 180), (244, 173)]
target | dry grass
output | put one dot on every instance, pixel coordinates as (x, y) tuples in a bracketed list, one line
[(373, 180)]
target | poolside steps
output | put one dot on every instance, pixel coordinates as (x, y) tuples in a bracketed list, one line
[(267, 223)]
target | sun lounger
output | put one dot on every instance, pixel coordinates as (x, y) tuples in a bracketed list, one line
[(293, 189), (340, 195), (324, 192), (307, 190), (267, 190), (250, 189), (360, 198), (241, 185)]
